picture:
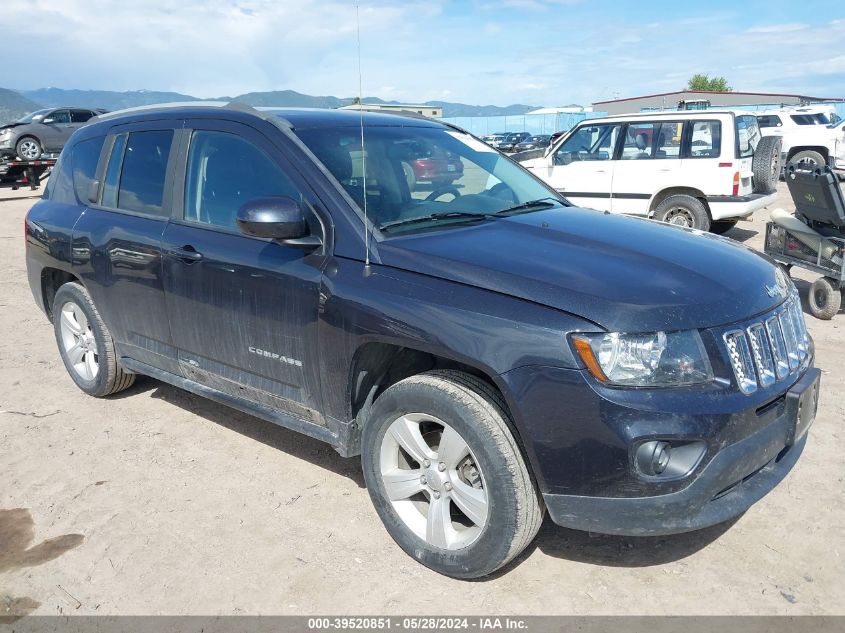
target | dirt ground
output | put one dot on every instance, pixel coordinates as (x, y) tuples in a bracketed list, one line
[(159, 502)]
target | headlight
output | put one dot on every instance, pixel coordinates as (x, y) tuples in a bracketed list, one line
[(656, 359)]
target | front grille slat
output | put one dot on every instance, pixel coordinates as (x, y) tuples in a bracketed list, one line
[(769, 350)]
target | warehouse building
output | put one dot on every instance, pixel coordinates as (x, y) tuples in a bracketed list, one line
[(701, 99)]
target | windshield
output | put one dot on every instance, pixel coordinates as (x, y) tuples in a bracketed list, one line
[(29, 118), (414, 173)]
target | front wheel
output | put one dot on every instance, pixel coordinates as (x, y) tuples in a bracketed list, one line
[(28, 148), (685, 211), (446, 476), (85, 343), (808, 158)]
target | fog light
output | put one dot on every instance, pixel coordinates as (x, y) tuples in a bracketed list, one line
[(661, 458), (653, 457)]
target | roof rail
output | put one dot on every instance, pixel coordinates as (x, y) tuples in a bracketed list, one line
[(163, 106)]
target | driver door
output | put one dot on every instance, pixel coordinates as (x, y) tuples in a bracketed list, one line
[(581, 168), (56, 132)]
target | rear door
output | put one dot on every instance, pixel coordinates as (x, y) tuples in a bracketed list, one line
[(243, 310), (117, 241), (581, 168), (649, 161)]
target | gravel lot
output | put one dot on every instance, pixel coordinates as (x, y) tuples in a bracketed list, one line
[(159, 502)]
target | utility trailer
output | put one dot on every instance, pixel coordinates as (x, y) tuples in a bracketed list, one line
[(15, 173)]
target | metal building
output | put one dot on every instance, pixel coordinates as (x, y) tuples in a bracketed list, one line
[(694, 99)]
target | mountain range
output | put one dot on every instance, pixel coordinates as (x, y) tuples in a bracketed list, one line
[(14, 104)]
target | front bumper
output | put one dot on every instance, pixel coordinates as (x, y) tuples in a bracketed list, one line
[(738, 207), (580, 445)]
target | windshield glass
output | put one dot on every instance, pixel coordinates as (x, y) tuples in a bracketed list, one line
[(29, 118), (418, 172)]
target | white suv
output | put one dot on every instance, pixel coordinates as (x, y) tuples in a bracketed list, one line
[(807, 137), (701, 169)]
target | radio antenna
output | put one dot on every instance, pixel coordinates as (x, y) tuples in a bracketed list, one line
[(363, 151)]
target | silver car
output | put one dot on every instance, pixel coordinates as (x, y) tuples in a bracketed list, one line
[(43, 132)]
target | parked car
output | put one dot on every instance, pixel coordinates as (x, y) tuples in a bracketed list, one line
[(509, 143), (807, 136), (497, 141), (533, 142), (699, 169), (492, 353), (424, 162), (493, 139), (42, 132)]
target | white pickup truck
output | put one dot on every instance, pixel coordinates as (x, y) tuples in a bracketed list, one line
[(807, 136)]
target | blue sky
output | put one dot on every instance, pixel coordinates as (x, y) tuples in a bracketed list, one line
[(540, 52)]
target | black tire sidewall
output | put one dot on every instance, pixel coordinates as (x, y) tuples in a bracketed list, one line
[(693, 205), (492, 546), (74, 293), (833, 299)]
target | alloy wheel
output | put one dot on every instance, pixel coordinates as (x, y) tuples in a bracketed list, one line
[(28, 150), (78, 341), (433, 481)]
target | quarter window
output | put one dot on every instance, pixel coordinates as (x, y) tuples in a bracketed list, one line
[(86, 155), (769, 120), (224, 172), (705, 139)]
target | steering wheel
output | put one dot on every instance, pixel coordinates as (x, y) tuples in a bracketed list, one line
[(442, 191), (501, 188)]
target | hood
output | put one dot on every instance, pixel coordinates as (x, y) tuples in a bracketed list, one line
[(625, 274), (8, 125)]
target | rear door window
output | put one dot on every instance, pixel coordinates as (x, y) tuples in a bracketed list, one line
[(136, 172), (705, 139), (80, 116), (639, 141), (669, 140)]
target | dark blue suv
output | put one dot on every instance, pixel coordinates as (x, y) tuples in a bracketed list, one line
[(489, 350)]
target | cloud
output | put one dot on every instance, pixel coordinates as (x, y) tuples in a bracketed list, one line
[(779, 28)]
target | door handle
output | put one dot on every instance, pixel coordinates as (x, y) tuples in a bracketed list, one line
[(187, 254)]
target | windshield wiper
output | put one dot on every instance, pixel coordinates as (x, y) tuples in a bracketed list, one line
[(445, 215), (531, 205)]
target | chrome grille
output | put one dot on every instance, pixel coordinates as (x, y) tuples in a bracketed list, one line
[(770, 349)]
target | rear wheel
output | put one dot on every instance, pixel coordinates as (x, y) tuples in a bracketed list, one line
[(682, 210), (85, 344), (720, 227), (28, 148), (824, 299), (446, 475)]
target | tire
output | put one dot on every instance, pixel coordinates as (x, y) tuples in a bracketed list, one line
[(490, 472), (28, 148), (85, 344), (766, 164), (685, 211), (824, 299), (808, 157), (720, 227)]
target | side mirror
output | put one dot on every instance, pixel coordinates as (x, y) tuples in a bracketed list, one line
[(93, 193), (279, 218), (48, 121)]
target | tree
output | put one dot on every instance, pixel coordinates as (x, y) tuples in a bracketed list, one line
[(356, 101), (701, 81)]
